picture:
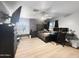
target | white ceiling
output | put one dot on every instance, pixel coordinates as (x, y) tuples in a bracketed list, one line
[(56, 8)]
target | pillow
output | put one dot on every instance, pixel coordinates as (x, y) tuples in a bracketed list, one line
[(44, 31)]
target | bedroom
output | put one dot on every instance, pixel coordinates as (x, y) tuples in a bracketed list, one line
[(39, 19)]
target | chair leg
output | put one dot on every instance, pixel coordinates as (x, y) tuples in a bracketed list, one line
[(63, 44)]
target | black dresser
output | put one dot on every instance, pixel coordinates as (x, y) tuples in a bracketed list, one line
[(8, 41)]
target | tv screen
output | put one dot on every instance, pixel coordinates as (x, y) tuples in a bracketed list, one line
[(16, 15)]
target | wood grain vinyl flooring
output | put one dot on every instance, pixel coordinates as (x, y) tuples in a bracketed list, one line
[(36, 48)]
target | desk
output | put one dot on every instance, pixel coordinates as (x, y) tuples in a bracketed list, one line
[(61, 36)]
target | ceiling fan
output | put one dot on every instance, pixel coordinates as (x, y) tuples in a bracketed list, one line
[(42, 11), (68, 14)]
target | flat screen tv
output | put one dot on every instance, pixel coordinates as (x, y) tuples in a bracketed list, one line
[(16, 15)]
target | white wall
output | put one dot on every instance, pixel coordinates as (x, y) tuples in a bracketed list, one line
[(33, 23), (4, 8), (71, 22)]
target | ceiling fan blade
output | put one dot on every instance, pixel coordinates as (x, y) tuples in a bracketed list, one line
[(35, 10), (68, 14)]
